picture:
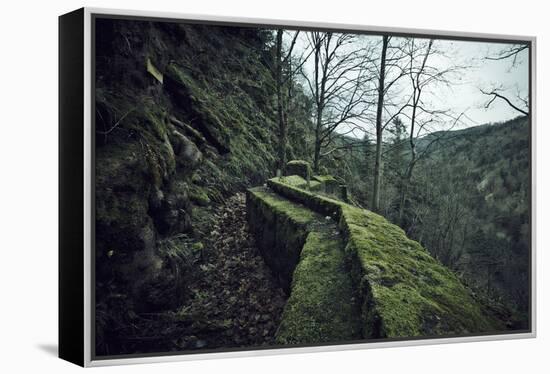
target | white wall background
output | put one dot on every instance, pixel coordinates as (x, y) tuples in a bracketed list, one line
[(28, 183)]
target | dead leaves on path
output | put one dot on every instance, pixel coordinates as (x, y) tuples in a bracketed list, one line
[(235, 299)]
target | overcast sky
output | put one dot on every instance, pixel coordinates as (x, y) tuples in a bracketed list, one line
[(464, 94), (486, 74)]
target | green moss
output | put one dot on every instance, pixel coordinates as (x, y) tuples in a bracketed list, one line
[(315, 186), (156, 122), (297, 213), (299, 167), (330, 185), (320, 204), (298, 181), (408, 291), (321, 307), (228, 118), (179, 75), (149, 124), (199, 195), (197, 247), (405, 292), (280, 227), (324, 178), (294, 180)]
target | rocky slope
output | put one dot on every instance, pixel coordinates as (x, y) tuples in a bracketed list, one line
[(181, 124)]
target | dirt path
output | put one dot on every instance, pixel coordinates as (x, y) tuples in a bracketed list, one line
[(235, 301), (232, 299)]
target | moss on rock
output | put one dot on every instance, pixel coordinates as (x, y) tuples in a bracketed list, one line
[(330, 184), (294, 180), (280, 228), (322, 306), (300, 182), (317, 203), (404, 291), (299, 167), (306, 252), (199, 195)]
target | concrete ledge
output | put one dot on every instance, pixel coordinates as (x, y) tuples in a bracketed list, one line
[(299, 167), (322, 306), (280, 228), (298, 181), (306, 252), (329, 183), (403, 291)]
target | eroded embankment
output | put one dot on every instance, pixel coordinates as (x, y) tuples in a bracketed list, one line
[(402, 291)]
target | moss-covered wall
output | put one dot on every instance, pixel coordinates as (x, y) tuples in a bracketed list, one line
[(306, 252), (322, 307), (280, 228), (403, 291), (406, 292)]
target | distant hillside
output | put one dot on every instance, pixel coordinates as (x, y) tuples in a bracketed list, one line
[(470, 207)]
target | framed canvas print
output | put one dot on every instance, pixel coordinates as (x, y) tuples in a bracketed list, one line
[(240, 186)]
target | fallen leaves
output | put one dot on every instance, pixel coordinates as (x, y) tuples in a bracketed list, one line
[(238, 299), (233, 299)]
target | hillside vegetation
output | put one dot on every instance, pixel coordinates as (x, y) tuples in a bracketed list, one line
[(184, 119), (471, 208)]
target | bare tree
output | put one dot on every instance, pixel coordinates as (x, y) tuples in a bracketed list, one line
[(513, 54), (422, 75), (338, 86), (375, 205), (390, 71), (282, 106)]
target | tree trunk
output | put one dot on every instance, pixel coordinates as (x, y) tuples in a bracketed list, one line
[(406, 181), (319, 100), (317, 153), (280, 110), (375, 205), (403, 194)]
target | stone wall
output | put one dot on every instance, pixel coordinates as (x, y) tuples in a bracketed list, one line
[(402, 291)]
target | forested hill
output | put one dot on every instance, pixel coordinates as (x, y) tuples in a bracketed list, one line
[(470, 206)]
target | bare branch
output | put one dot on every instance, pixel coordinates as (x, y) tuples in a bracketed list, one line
[(511, 52), (494, 93)]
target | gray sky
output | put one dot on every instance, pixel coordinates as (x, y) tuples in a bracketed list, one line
[(486, 74), (464, 94)]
